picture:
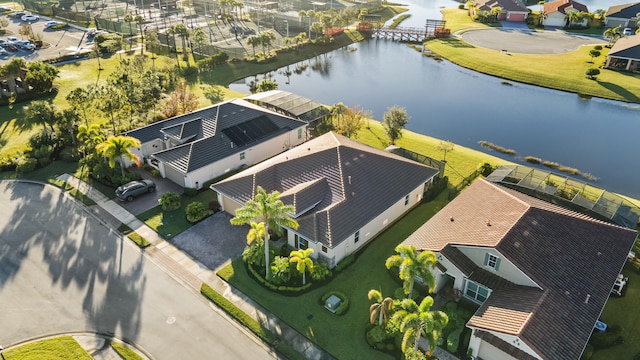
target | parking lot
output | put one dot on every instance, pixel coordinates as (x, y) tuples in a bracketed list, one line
[(56, 42)]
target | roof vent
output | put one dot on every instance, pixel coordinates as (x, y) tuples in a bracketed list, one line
[(349, 179), (586, 301), (451, 218), (488, 223), (353, 194)]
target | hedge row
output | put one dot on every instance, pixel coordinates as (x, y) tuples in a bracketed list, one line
[(285, 290)]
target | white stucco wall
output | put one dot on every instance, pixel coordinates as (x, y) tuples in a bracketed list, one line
[(488, 351), (452, 271), (367, 231), (506, 270)]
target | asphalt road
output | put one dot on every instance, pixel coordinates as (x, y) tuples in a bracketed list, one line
[(62, 271), (527, 41)]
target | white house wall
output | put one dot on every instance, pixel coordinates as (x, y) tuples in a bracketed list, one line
[(485, 350), (555, 19), (506, 270), (453, 271), (368, 231), (253, 155)]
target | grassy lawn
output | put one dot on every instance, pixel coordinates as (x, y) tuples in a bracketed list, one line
[(623, 312), (344, 335), (458, 19), (60, 348), (556, 71), (170, 223)]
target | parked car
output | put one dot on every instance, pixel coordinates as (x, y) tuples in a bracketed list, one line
[(627, 31), (133, 189), (3, 52), (12, 39), (53, 23), (27, 45), (30, 18), (18, 14)]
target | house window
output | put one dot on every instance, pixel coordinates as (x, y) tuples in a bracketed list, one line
[(492, 261), (299, 133), (356, 237), (406, 200), (242, 155), (302, 243), (324, 249), (476, 292)]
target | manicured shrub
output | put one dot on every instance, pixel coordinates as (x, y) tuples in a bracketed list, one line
[(169, 201), (196, 211), (453, 340), (155, 173), (597, 47), (191, 192), (320, 271), (592, 73), (26, 165), (43, 154), (345, 262), (376, 335)]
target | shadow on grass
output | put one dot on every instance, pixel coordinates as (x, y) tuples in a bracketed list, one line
[(624, 93)]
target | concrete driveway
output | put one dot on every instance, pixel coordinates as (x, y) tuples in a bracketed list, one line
[(524, 41), (62, 271), (149, 201)]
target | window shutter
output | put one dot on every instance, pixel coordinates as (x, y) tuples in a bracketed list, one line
[(486, 259), (497, 264)]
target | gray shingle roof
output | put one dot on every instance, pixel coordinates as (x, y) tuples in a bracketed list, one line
[(623, 11), (352, 182), (508, 5), (627, 47), (568, 254), (204, 129)]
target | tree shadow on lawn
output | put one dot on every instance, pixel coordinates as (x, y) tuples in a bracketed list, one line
[(626, 94), (342, 336)]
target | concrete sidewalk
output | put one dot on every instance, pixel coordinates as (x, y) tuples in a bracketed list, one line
[(192, 273)]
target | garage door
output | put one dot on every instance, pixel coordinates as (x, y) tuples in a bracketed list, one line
[(488, 351), (173, 175), (516, 17)]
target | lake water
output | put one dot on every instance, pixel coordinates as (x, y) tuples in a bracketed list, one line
[(446, 101)]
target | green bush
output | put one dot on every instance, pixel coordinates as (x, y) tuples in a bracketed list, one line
[(191, 192), (26, 165), (453, 340), (320, 271), (43, 154), (345, 262), (485, 168), (196, 211), (376, 335), (139, 240), (169, 201), (155, 173)]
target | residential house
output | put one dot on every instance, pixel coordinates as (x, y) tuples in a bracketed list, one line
[(344, 192), (556, 13), (511, 10), (625, 54), (541, 273), (625, 16), (202, 145)]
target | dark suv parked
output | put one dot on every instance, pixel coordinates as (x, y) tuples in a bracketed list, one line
[(132, 189)]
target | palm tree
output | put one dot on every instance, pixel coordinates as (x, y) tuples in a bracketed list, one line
[(303, 261), (418, 321), (256, 232), (139, 19), (412, 263), (574, 18), (199, 38), (42, 113), (612, 34), (90, 136), (117, 148), (381, 309), (269, 209), (496, 11), (253, 40)]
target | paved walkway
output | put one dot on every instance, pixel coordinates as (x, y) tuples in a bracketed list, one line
[(192, 273)]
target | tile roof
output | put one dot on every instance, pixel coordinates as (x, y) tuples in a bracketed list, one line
[(627, 47), (562, 6), (348, 182), (203, 132), (574, 258), (508, 5), (504, 346), (624, 11)]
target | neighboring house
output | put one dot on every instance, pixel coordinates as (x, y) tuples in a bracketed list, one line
[(292, 105), (555, 13), (511, 10), (344, 192), (625, 54), (194, 148), (625, 16), (542, 274)]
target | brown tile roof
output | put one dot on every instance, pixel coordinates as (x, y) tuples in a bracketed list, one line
[(508, 309), (571, 256), (357, 184), (503, 345), (627, 47), (563, 6)]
